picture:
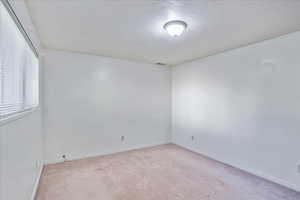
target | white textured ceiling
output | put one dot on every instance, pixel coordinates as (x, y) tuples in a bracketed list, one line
[(133, 29)]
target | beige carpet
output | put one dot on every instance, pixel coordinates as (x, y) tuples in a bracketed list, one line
[(165, 172)]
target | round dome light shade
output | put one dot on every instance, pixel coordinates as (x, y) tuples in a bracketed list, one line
[(175, 28)]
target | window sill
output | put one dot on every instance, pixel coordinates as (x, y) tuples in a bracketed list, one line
[(17, 116)]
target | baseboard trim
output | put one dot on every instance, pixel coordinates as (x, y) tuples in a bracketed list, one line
[(36, 184), (248, 170), (91, 155)]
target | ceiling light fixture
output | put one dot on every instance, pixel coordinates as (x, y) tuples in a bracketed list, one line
[(175, 28)]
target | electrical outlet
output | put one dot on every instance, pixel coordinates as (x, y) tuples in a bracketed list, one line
[(122, 138), (193, 138), (64, 157)]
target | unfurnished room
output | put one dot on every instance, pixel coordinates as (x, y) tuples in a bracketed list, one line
[(149, 99)]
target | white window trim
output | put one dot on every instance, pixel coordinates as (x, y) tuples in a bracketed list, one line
[(20, 26), (21, 114), (18, 115)]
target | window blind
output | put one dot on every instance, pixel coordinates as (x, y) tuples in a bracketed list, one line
[(18, 69)]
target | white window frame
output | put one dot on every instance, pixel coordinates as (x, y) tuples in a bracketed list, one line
[(19, 114)]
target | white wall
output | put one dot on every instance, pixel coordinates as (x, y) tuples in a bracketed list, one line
[(91, 101), (20, 156), (21, 153), (243, 108)]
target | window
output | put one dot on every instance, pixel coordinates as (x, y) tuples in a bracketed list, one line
[(18, 68)]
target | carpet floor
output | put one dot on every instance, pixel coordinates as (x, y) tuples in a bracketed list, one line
[(165, 172)]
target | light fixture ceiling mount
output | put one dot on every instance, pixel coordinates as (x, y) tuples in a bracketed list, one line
[(175, 28)]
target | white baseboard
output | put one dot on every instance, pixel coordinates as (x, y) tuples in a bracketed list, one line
[(91, 155), (272, 179), (250, 171), (36, 184)]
